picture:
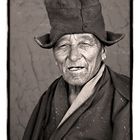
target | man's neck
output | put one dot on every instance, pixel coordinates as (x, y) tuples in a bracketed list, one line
[(73, 92)]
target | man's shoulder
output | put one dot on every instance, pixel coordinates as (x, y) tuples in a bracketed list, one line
[(121, 83), (55, 82)]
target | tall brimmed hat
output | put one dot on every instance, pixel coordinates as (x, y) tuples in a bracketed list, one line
[(76, 16)]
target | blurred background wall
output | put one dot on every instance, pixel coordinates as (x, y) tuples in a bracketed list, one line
[(32, 68)]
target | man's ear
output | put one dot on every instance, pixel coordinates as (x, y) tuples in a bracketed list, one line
[(103, 53), (56, 63), (54, 57)]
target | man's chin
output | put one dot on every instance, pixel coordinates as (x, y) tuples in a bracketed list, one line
[(75, 81)]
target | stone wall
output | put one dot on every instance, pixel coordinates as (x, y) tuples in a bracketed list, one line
[(32, 68)]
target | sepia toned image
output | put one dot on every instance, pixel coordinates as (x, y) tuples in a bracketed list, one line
[(70, 70)]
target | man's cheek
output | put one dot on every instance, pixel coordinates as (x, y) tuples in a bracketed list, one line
[(62, 68)]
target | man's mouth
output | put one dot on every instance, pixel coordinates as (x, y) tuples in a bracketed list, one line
[(76, 68)]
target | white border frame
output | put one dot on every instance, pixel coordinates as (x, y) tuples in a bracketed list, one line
[(3, 69)]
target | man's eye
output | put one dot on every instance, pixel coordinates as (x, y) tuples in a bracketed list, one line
[(85, 44), (63, 47)]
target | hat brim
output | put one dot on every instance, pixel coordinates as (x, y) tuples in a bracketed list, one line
[(45, 42)]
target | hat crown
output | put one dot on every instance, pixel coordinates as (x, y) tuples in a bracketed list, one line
[(62, 3), (77, 16), (70, 3)]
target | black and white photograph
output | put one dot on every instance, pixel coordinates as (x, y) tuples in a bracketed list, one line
[(70, 70)]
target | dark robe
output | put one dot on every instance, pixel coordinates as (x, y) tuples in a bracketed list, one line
[(104, 116)]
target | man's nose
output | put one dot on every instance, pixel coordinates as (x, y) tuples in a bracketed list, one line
[(74, 54)]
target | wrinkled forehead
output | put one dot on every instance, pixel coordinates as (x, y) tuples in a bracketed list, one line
[(78, 37)]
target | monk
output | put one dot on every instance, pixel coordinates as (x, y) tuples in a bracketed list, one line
[(89, 101)]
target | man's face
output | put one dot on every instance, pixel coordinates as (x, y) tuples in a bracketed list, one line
[(78, 57)]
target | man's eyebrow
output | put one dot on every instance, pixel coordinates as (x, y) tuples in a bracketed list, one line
[(62, 41)]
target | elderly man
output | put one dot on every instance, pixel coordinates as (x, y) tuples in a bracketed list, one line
[(89, 101)]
